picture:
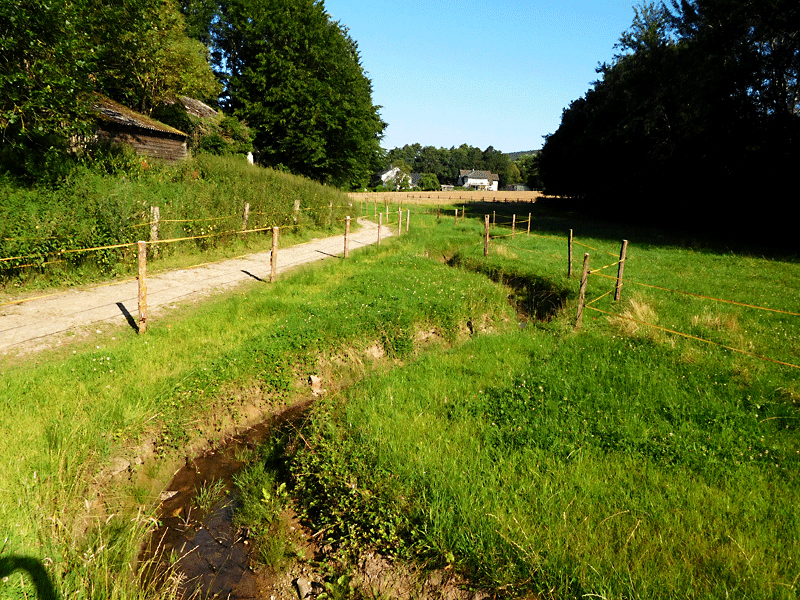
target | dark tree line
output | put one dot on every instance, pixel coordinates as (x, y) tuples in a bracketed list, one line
[(699, 112)]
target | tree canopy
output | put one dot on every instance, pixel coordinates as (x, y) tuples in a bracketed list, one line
[(702, 104), (446, 163), (295, 76), (55, 54)]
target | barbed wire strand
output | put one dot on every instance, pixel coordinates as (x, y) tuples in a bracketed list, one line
[(693, 337), (734, 302)]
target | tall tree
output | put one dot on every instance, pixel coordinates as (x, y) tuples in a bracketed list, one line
[(703, 99), (295, 76), (54, 54)]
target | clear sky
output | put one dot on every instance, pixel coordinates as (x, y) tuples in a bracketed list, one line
[(480, 72)]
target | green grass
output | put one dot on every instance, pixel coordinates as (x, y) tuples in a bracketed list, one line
[(614, 462), (44, 231), (610, 462), (67, 414)]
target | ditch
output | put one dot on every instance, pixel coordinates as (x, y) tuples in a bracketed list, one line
[(200, 551)]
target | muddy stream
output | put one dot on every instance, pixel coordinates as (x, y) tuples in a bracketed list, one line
[(207, 556)]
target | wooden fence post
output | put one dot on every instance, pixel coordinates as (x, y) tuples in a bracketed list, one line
[(455, 224), (380, 226), (245, 216), (330, 213), (569, 254), (347, 237), (529, 224), (494, 219), (296, 210), (273, 256), (513, 225), (620, 270), (142, 287), (486, 236), (408, 219), (582, 291), (155, 217)]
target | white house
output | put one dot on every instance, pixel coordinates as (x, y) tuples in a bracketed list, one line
[(478, 180), (396, 176)]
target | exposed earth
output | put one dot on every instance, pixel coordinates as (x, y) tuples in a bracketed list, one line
[(209, 554)]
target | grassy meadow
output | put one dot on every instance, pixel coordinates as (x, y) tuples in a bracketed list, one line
[(86, 227), (618, 461)]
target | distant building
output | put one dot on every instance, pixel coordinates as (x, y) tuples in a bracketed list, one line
[(150, 138), (478, 180), (394, 177)]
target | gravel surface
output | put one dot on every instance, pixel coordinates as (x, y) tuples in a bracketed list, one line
[(45, 322)]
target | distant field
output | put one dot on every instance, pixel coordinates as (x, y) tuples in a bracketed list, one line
[(454, 196)]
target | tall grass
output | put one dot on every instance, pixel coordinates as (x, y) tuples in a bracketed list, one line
[(613, 462), (204, 196), (617, 462)]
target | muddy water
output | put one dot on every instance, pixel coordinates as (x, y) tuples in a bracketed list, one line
[(206, 552)]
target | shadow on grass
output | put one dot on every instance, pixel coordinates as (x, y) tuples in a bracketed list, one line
[(45, 590), (662, 226)]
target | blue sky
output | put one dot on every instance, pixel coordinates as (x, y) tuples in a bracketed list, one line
[(480, 72)]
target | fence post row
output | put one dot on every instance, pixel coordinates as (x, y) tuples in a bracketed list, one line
[(273, 256), (620, 269), (142, 277), (582, 292)]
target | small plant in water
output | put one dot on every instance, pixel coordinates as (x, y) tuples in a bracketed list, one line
[(208, 495)]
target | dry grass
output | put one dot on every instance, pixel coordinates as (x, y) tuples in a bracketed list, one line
[(716, 321), (634, 320)]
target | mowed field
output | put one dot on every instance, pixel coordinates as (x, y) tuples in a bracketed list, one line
[(454, 196)]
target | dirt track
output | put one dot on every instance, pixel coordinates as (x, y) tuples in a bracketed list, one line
[(43, 323)]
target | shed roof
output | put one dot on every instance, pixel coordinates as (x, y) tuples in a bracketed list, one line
[(114, 112)]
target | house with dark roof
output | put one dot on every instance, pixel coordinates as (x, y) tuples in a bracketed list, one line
[(150, 138), (478, 180)]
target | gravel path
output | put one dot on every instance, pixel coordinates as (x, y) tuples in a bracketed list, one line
[(47, 322)]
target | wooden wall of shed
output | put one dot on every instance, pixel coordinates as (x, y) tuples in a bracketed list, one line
[(152, 144)]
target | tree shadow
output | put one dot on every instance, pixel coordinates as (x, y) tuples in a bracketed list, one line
[(45, 590)]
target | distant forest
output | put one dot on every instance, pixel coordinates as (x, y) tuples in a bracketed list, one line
[(445, 163)]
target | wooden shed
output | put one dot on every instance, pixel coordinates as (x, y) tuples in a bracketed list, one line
[(150, 138)]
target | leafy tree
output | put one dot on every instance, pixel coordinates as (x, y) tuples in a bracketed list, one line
[(295, 77), (702, 101), (428, 182), (54, 54), (45, 70)]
